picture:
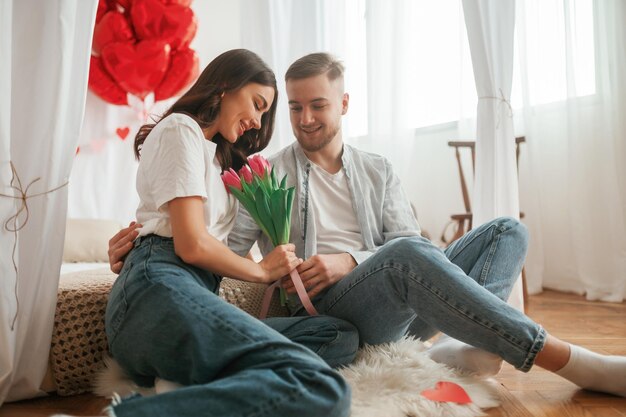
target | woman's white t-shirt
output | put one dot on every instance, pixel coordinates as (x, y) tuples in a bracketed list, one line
[(177, 161)]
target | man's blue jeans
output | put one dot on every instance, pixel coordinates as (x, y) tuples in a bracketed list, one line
[(411, 286), (164, 320)]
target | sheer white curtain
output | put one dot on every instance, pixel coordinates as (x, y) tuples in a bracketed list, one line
[(409, 68), (575, 190), (44, 58), (490, 31)]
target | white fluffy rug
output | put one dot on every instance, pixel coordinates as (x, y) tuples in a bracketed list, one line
[(386, 381)]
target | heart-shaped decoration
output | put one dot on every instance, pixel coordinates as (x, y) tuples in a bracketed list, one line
[(113, 27), (185, 3), (137, 68), (446, 391), (183, 70), (174, 24), (101, 83), (122, 132)]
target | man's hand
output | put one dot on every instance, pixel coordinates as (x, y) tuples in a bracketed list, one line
[(120, 245), (321, 271)]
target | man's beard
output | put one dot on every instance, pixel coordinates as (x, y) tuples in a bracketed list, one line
[(318, 143)]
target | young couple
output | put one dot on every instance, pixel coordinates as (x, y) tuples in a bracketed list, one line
[(355, 244)]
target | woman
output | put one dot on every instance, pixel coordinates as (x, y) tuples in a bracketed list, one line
[(164, 319)]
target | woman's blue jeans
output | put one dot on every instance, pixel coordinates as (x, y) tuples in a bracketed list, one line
[(411, 286), (164, 319)]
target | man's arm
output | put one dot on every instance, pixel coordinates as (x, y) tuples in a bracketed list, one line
[(398, 219), (120, 245), (244, 233)]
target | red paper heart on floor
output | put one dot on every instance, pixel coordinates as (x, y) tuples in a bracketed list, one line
[(446, 391), (122, 132)]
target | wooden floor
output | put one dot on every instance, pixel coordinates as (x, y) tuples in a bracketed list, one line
[(597, 326)]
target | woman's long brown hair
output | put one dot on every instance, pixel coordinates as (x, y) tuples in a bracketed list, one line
[(230, 71)]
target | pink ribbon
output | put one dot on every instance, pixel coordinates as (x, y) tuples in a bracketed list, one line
[(300, 290)]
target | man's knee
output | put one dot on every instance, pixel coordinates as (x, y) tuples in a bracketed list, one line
[(410, 249), (515, 229)]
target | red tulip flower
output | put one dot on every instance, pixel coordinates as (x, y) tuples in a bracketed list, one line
[(260, 165), (231, 179), (246, 174)]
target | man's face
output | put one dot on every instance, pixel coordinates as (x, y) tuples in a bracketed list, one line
[(316, 105)]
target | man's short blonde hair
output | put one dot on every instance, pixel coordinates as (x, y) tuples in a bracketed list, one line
[(312, 65)]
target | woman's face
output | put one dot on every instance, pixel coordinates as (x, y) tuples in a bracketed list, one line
[(241, 110)]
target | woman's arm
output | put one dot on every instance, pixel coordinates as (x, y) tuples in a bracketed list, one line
[(197, 247)]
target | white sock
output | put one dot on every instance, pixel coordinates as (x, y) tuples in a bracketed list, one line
[(457, 354), (596, 372)]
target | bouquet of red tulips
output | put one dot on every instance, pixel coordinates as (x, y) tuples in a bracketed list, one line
[(269, 202)]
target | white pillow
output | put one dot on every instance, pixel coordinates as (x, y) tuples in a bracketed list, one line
[(87, 240)]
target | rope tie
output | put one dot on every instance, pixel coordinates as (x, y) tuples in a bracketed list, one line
[(501, 98), (11, 224)]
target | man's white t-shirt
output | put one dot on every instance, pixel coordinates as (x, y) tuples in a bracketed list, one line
[(177, 161), (336, 224)]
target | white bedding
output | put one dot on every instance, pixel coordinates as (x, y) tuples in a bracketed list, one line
[(68, 267)]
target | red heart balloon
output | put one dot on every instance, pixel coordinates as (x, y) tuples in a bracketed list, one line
[(183, 70), (101, 83), (137, 68), (173, 24), (124, 3), (103, 7), (113, 27), (446, 391), (185, 3)]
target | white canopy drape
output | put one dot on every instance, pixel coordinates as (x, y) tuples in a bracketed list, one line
[(490, 29), (44, 60)]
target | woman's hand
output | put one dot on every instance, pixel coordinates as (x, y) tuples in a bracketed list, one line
[(120, 245), (279, 262)]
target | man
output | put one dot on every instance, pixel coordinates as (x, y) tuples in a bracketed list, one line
[(365, 262), (349, 204)]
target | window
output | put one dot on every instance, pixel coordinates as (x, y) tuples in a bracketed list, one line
[(433, 69)]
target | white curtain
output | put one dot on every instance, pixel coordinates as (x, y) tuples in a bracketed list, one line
[(575, 190), (490, 29), (44, 58)]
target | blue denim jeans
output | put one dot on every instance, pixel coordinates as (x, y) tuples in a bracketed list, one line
[(164, 319), (411, 286)]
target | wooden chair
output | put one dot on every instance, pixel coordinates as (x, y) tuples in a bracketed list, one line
[(462, 222)]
